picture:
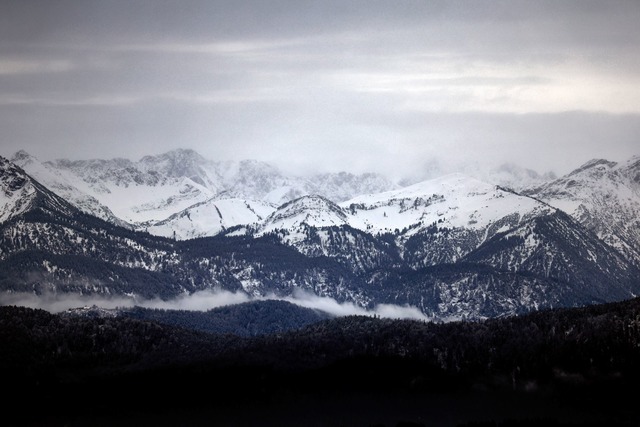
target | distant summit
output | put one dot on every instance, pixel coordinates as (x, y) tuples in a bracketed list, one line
[(156, 190)]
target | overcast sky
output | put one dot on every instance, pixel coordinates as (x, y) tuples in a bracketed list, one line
[(383, 86)]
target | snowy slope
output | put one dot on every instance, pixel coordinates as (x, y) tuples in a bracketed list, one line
[(308, 211), (452, 201), (136, 192), (157, 189), (210, 218), (50, 247), (65, 186), (317, 227), (604, 196), (452, 246), (433, 222), (17, 193)]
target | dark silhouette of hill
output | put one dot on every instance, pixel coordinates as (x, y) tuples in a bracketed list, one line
[(246, 319), (566, 366)]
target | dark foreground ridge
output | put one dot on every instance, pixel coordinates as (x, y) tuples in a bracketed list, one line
[(569, 367)]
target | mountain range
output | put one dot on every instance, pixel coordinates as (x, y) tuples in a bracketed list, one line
[(452, 247)]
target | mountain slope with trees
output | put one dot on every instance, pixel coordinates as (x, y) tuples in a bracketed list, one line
[(569, 365), (530, 256)]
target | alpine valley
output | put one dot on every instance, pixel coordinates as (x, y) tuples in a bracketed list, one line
[(453, 247)]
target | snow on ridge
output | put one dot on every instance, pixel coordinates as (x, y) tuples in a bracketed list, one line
[(454, 201), (16, 190), (445, 184), (603, 196), (155, 187), (210, 218), (65, 185), (312, 210)]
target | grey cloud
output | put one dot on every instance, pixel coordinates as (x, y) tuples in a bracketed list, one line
[(376, 83), (373, 139), (575, 21), (203, 301)]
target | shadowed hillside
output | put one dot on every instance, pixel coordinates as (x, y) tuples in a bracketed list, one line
[(561, 366)]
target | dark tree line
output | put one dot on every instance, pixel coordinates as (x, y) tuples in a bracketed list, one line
[(585, 356), (246, 319)]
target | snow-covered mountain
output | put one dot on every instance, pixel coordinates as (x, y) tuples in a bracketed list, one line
[(452, 246), (17, 194), (458, 220), (439, 220), (307, 211), (210, 218), (20, 194), (155, 192), (604, 196), (149, 190), (555, 246), (48, 246), (183, 195), (66, 186), (317, 227), (451, 201)]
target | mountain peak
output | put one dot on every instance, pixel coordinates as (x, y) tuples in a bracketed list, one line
[(20, 193), (310, 210), (312, 201), (22, 157), (175, 163), (594, 163), (12, 177), (179, 154)]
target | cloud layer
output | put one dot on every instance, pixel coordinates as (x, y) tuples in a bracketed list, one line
[(203, 301), (359, 85)]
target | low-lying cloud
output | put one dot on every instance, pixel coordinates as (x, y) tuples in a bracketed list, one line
[(206, 300), (56, 303), (338, 309)]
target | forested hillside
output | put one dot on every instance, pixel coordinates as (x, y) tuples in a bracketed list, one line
[(577, 364)]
